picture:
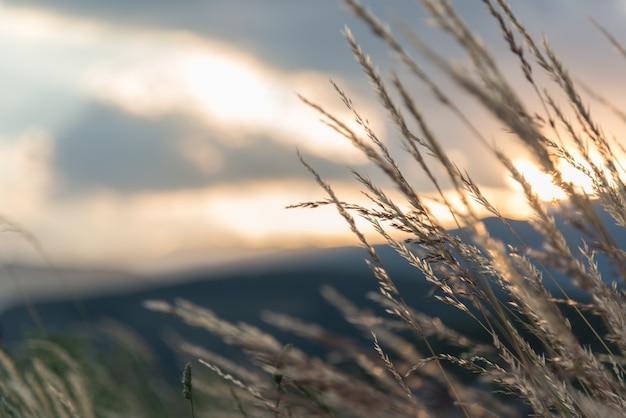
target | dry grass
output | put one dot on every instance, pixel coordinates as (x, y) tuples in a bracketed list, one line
[(86, 375), (532, 355)]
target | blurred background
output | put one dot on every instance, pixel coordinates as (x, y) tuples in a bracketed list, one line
[(152, 135)]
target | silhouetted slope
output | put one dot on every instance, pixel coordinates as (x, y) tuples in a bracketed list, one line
[(291, 287)]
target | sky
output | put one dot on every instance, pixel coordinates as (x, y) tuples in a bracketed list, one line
[(148, 134)]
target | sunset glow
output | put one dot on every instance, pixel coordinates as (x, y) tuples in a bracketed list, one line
[(541, 182), (543, 185), (128, 140)]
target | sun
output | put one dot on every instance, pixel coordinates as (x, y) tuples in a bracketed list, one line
[(543, 185), (540, 181)]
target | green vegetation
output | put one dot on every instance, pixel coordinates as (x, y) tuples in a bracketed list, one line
[(531, 360), (68, 377)]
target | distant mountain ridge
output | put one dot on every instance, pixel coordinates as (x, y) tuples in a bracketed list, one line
[(289, 286)]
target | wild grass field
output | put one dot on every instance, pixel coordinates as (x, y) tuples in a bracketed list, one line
[(531, 358)]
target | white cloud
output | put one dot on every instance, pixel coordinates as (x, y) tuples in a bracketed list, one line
[(230, 91), (152, 230), (153, 72)]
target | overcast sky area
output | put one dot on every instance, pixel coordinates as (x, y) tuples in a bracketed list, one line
[(149, 133)]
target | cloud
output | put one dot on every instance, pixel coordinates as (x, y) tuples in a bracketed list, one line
[(161, 227), (229, 91), (25, 174), (116, 175), (154, 72), (139, 132), (163, 83), (107, 148), (276, 31)]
